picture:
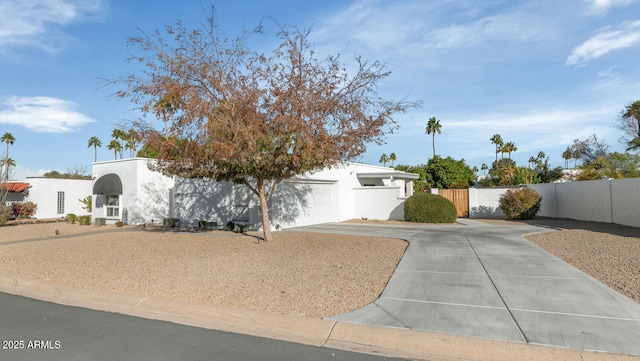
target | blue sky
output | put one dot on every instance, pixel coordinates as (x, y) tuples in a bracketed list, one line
[(540, 73)]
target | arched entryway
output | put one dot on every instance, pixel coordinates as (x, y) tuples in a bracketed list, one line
[(108, 189)]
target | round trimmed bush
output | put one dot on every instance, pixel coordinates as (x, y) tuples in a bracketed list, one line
[(429, 208), (521, 203)]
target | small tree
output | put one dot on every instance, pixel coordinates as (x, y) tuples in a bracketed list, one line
[(255, 119), (445, 173), (88, 203)]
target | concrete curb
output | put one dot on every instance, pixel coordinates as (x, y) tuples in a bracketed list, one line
[(377, 340)]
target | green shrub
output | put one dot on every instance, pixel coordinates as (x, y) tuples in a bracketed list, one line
[(521, 203), (429, 208), (71, 218), (5, 214), (84, 220)]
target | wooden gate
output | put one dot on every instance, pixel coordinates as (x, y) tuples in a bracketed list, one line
[(460, 198)]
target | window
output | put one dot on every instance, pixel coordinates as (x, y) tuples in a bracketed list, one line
[(113, 206), (60, 202)]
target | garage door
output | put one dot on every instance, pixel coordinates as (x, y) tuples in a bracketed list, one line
[(303, 203)]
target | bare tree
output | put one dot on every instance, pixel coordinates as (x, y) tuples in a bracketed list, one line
[(255, 119)]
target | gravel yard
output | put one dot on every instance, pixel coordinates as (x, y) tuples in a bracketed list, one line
[(307, 274)]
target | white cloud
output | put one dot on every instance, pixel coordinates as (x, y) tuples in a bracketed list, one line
[(606, 41), (498, 27), (43, 114), (405, 29), (533, 121), (37, 22), (598, 7)]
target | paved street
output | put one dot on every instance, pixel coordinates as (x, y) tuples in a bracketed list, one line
[(46, 331)]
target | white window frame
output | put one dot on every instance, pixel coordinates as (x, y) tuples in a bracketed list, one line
[(112, 210)]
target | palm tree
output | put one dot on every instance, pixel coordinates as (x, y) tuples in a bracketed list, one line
[(119, 134), (9, 139), (510, 147), (95, 143), (10, 162), (166, 105), (384, 158), (433, 127), (131, 139), (497, 140), (392, 158), (484, 168), (566, 155), (116, 147)]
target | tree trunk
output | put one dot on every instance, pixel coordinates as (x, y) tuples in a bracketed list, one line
[(264, 210), (433, 143)]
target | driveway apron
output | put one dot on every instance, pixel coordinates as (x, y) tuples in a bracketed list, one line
[(481, 280)]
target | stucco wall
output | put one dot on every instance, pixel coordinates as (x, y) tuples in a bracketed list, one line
[(484, 202), (549, 204), (204, 200), (145, 193), (609, 201), (380, 203), (324, 196), (44, 193), (625, 195)]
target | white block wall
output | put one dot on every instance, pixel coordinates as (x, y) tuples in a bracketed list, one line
[(44, 193), (380, 203), (549, 204), (625, 196), (484, 202), (609, 201)]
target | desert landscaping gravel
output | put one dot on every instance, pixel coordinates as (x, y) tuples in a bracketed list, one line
[(307, 274)]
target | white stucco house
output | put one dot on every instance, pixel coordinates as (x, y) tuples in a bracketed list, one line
[(127, 190)]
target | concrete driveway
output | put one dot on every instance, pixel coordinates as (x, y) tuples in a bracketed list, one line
[(487, 281)]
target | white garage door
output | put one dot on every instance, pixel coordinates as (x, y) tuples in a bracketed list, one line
[(303, 203)]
